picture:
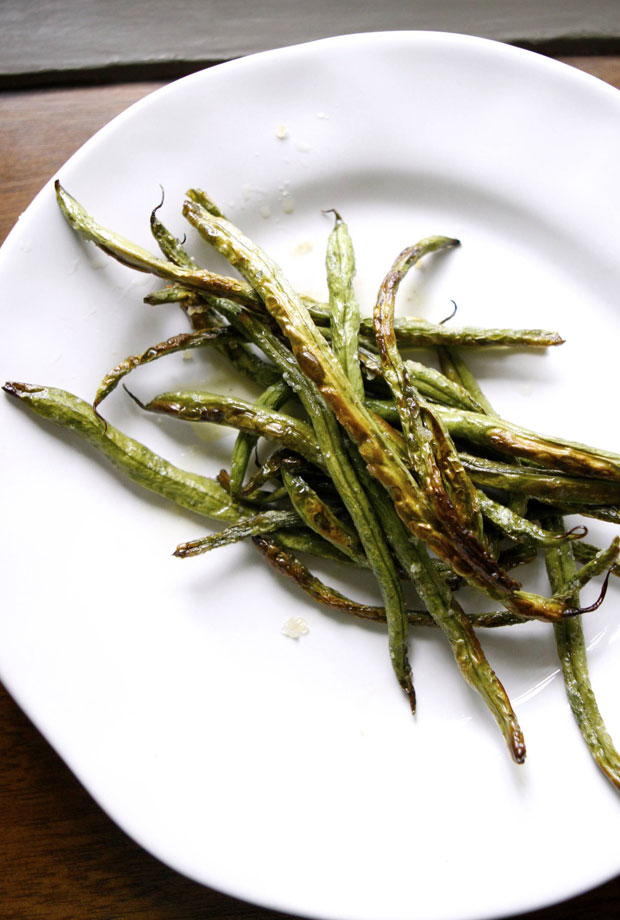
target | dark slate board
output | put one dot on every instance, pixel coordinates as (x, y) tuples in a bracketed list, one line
[(55, 41)]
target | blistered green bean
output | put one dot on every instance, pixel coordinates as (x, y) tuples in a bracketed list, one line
[(202, 406), (353, 496), (344, 310), (317, 515), (448, 615), (274, 397), (571, 648), (182, 342), (263, 523), (420, 515), (137, 257), (195, 493), (318, 364), (291, 567)]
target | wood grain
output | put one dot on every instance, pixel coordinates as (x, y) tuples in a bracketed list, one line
[(41, 129), (61, 858)]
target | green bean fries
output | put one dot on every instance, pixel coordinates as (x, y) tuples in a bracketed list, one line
[(376, 461)]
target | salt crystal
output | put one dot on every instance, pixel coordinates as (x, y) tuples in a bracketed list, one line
[(295, 627)]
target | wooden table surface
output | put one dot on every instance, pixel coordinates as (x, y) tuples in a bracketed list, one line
[(61, 858)]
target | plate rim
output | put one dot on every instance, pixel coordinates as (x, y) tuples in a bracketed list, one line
[(365, 37)]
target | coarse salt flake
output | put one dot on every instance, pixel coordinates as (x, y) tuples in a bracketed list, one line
[(295, 627)]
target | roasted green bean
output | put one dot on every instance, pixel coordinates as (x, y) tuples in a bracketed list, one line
[(274, 397), (134, 256), (571, 648), (176, 343), (291, 567), (201, 406), (195, 493), (318, 363), (318, 516), (406, 488), (263, 523)]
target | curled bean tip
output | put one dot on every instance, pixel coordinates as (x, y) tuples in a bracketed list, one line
[(98, 415), (578, 532), (450, 315), (158, 206), (334, 212), (134, 397), (575, 611)]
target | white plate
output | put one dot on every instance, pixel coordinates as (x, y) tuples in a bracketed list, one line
[(291, 773)]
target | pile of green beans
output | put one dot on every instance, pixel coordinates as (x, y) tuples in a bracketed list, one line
[(377, 461)]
